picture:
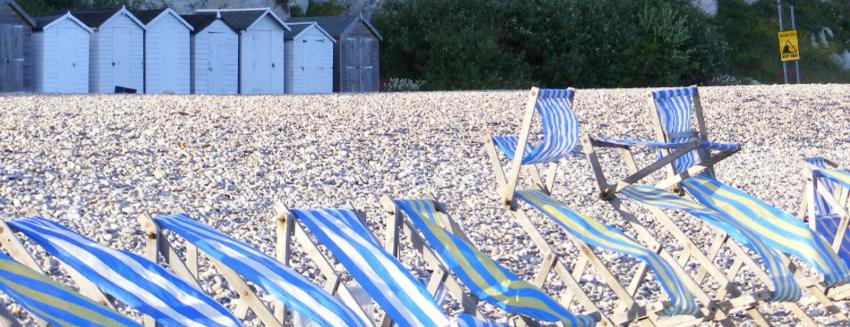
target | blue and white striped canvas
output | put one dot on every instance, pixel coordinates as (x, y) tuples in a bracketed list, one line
[(776, 228), (484, 277), (602, 236), (58, 305), (674, 108), (281, 281), (130, 278), (401, 296), (785, 287), (560, 129), (826, 222)]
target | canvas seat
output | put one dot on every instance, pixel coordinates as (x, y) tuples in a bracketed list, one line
[(343, 232), (691, 169), (129, 278), (241, 263), (50, 302), (439, 239)]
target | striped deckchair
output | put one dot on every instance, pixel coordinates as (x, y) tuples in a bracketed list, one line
[(435, 234), (345, 235), (693, 172), (559, 139), (50, 301), (129, 278), (826, 202), (240, 263)]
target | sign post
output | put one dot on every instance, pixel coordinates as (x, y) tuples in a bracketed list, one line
[(781, 27)]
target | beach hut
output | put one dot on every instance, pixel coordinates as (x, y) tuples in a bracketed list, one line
[(117, 60), (309, 57), (15, 47), (261, 61), (215, 55), (60, 54), (356, 52), (167, 51)]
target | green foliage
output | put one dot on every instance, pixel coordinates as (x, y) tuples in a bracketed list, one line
[(321, 8), (486, 44)]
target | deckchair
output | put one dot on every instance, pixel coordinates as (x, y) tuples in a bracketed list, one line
[(435, 235), (240, 263), (559, 139), (129, 278), (344, 233), (780, 278), (826, 202), (694, 172), (50, 302)]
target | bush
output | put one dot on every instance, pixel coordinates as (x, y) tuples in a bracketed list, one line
[(486, 44)]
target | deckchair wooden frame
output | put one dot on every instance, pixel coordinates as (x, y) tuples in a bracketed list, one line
[(690, 249), (157, 247), (289, 232), (839, 202), (441, 275), (706, 163), (13, 246)]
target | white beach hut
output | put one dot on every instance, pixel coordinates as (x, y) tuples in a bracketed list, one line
[(309, 57), (215, 55), (261, 61), (167, 51), (61, 45), (117, 60)]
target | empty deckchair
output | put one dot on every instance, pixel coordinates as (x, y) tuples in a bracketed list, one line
[(826, 202), (694, 172), (50, 301), (345, 235), (559, 139), (131, 279), (431, 227), (240, 263), (780, 277)]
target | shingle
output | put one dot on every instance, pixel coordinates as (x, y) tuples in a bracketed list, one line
[(94, 17), (242, 19), (334, 25), (146, 16), (42, 21), (200, 21), (295, 29)]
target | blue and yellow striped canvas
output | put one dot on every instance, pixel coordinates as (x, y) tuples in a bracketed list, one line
[(484, 277), (394, 288), (785, 288), (132, 279), (560, 129), (282, 282), (674, 111), (58, 305), (776, 228), (601, 236)]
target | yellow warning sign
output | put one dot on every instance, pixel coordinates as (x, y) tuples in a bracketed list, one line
[(789, 49)]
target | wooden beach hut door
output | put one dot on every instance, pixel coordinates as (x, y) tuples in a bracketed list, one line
[(121, 57), (262, 62), (217, 64), (11, 58), (357, 60)]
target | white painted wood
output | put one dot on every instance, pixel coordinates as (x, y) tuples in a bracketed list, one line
[(261, 58), (61, 57), (167, 55), (215, 60), (120, 40), (309, 62)]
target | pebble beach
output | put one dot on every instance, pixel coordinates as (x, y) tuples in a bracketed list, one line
[(94, 163)]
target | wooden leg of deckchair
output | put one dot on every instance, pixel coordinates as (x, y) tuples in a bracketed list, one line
[(283, 250), (712, 253), (498, 171), (246, 296)]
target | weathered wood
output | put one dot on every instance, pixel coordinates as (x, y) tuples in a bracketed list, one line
[(516, 161)]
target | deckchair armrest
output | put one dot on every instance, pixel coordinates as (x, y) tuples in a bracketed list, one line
[(733, 147), (628, 143)]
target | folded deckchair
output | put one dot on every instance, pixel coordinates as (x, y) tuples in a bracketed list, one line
[(240, 263), (344, 233), (50, 301), (559, 139), (693, 172), (129, 278), (435, 234), (826, 202)]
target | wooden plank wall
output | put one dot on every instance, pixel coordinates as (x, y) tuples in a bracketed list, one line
[(16, 47)]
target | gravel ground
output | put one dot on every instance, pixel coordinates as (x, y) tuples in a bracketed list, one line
[(94, 163)]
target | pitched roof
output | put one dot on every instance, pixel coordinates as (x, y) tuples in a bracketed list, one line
[(147, 16), (15, 6), (94, 17), (297, 28), (241, 19), (335, 25), (201, 20), (43, 22)]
